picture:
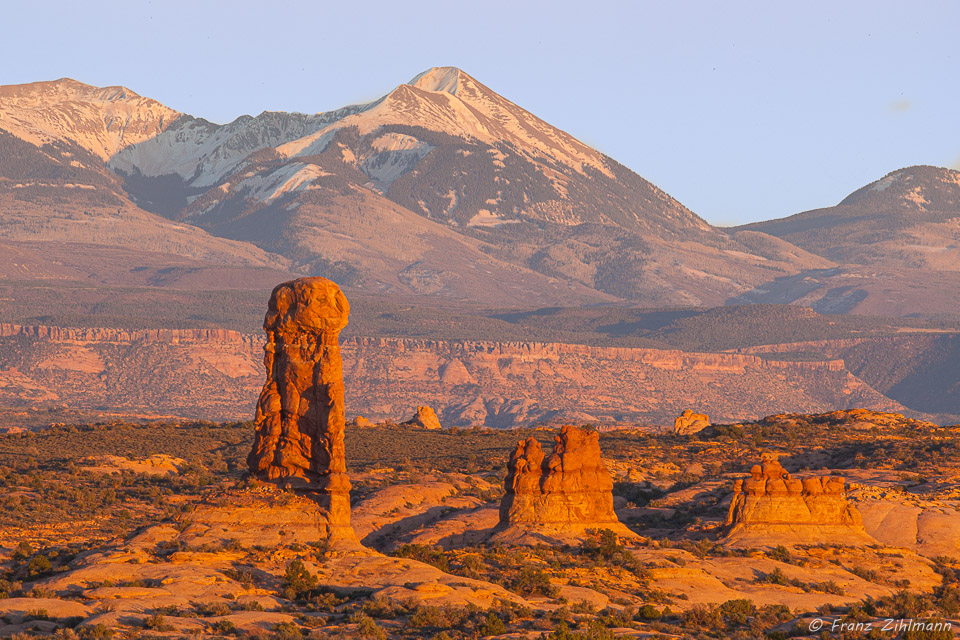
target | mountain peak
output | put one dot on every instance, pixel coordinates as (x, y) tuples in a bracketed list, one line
[(67, 89), (439, 80), (920, 187), (101, 120)]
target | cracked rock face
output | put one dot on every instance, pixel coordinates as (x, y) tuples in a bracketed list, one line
[(300, 415)]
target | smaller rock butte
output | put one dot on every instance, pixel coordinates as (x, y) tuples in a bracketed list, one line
[(690, 422), (425, 418), (772, 507), (559, 496)]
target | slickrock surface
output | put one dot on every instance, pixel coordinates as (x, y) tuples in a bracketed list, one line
[(557, 497), (689, 422), (265, 515), (425, 418), (157, 465), (300, 414), (771, 507)]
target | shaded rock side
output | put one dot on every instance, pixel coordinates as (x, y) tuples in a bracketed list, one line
[(773, 507), (300, 415), (689, 422), (568, 492), (425, 418)]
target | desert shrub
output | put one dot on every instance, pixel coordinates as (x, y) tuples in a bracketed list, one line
[(648, 612), (97, 631), (603, 545), (703, 616), (737, 611), (212, 609), (533, 582), (157, 622), (424, 553), (287, 631), (298, 582), (38, 565), (948, 600), (781, 554), (379, 608), (427, 617), (904, 604), (583, 606), (241, 575), (777, 576), (870, 575), (224, 627), (37, 614), (368, 629)]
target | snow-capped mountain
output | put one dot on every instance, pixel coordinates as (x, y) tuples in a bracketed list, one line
[(102, 121), (442, 186)]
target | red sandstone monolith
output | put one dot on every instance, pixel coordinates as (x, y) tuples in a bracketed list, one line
[(300, 416)]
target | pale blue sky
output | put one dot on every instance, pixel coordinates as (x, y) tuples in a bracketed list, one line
[(741, 110)]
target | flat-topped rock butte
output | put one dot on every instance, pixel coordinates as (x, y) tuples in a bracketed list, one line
[(772, 507)]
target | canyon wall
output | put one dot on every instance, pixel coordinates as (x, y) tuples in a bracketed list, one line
[(217, 374)]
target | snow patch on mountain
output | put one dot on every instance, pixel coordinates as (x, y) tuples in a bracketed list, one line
[(397, 154), (438, 79), (289, 178)]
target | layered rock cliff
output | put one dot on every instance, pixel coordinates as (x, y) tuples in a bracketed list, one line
[(214, 373)]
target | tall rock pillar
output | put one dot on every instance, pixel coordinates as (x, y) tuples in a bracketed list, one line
[(300, 415)]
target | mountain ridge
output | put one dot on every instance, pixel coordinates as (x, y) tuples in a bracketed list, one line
[(441, 187)]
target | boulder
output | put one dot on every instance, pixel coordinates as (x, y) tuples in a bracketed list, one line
[(425, 418), (689, 422)]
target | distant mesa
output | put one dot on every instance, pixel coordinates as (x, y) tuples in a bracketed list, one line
[(361, 422), (771, 507), (300, 415), (425, 418), (558, 498), (689, 422)]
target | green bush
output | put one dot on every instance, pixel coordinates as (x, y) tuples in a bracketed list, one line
[(298, 582), (287, 631)]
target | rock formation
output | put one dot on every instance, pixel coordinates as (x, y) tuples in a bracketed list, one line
[(300, 416), (565, 494), (690, 422), (773, 507), (425, 418)]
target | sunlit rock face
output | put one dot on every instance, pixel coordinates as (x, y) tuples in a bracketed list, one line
[(773, 504), (568, 492), (689, 422), (300, 414)]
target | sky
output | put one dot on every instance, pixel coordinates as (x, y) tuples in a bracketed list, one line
[(743, 111)]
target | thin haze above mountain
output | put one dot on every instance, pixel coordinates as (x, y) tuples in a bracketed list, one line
[(442, 187)]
